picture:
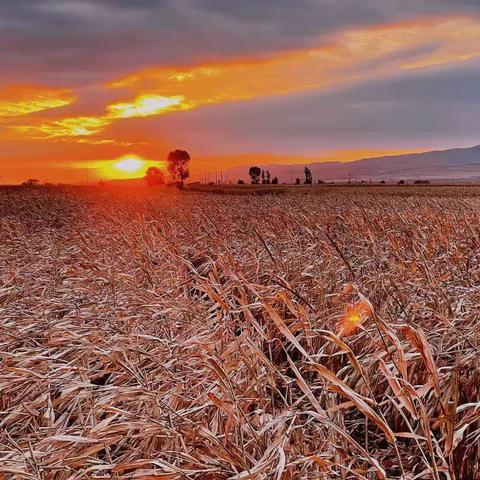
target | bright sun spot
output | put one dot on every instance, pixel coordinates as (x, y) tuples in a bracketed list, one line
[(129, 165)]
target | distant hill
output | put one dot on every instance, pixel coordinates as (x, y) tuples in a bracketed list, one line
[(455, 163)]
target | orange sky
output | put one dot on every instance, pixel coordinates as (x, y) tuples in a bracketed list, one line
[(55, 132)]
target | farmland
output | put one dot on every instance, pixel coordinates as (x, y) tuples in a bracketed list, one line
[(319, 334)]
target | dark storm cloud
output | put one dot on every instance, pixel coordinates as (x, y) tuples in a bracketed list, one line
[(434, 109), (77, 42)]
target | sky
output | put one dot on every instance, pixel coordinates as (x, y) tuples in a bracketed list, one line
[(86, 84)]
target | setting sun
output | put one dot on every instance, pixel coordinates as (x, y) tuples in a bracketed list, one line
[(130, 164)]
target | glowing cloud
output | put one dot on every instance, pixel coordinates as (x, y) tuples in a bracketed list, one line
[(17, 101), (69, 127), (142, 106), (146, 106)]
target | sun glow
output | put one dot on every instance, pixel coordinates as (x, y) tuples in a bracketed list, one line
[(130, 164)]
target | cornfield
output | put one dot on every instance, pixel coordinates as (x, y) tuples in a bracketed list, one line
[(198, 336)]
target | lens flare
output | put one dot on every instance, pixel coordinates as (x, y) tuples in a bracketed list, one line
[(354, 317)]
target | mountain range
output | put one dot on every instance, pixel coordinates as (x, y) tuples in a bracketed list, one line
[(455, 163)]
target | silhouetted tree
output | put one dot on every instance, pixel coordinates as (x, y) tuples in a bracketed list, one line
[(263, 177), (297, 181), (268, 178), (154, 176), (275, 181), (254, 173), (240, 182), (308, 176), (178, 166), (382, 182), (401, 182)]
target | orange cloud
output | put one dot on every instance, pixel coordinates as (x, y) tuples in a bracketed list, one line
[(23, 100), (349, 57)]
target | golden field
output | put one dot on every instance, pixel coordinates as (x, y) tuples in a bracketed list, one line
[(319, 334)]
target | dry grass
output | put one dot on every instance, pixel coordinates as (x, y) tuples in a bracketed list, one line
[(221, 337)]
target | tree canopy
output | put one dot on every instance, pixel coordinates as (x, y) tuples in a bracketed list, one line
[(178, 161), (154, 176), (255, 173)]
